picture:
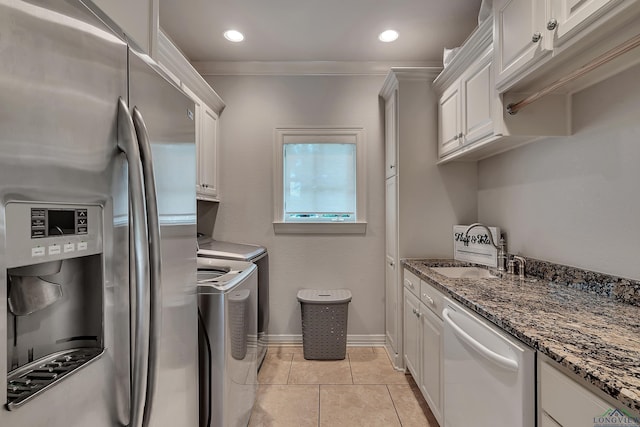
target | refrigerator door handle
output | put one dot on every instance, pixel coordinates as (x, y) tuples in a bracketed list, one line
[(127, 143), (155, 260)]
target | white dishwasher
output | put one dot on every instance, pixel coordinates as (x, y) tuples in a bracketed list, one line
[(489, 377)]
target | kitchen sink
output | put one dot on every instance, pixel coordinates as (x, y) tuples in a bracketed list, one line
[(465, 272)]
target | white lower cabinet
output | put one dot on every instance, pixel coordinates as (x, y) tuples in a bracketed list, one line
[(411, 333), (431, 367), (563, 402), (423, 334)]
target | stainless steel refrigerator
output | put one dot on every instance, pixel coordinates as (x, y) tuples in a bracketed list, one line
[(97, 226)]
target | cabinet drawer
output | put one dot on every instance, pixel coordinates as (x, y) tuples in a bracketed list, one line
[(569, 403), (412, 282), (432, 298)]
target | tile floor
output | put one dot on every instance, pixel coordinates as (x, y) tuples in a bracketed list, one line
[(361, 390)]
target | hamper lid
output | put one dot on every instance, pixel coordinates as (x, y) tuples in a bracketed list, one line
[(318, 296)]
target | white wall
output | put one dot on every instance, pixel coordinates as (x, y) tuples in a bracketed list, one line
[(256, 105), (575, 200)]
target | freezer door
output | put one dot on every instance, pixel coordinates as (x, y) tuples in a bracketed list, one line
[(168, 117), (61, 74)]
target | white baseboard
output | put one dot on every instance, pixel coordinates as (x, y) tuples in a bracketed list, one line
[(285, 340)]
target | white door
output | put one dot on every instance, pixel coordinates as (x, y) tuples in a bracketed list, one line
[(208, 155), (410, 345), (391, 267), (449, 120), (572, 15), (478, 94), (391, 134), (520, 28), (431, 360)]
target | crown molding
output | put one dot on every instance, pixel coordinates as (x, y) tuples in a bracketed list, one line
[(177, 66), (303, 68), (399, 74), (474, 47)]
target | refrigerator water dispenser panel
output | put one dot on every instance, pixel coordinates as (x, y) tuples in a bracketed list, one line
[(41, 232), (55, 295)]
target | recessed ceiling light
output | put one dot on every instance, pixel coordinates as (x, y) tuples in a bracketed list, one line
[(233, 36), (388, 36)]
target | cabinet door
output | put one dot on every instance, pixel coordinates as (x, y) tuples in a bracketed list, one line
[(572, 15), (520, 28), (208, 152), (478, 96), (411, 333), (449, 120), (431, 361), (198, 120), (391, 134), (391, 268)]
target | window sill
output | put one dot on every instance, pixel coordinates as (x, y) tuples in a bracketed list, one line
[(320, 227)]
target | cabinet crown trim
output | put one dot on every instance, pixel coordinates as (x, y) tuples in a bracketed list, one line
[(476, 43), (398, 74)]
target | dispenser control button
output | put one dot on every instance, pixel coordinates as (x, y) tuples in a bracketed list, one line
[(82, 229), (37, 212), (54, 249), (37, 251), (82, 246), (69, 247), (82, 213), (37, 222), (38, 233)]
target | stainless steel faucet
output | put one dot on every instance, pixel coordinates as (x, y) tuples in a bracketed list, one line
[(501, 246)]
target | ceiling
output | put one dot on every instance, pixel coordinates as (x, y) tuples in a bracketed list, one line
[(318, 30)]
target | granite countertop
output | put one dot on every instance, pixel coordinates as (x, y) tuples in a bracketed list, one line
[(596, 337)]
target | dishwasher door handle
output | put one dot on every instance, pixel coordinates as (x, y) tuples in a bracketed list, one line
[(492, 356)]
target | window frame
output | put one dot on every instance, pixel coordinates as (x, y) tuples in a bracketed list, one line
[(301, 135)]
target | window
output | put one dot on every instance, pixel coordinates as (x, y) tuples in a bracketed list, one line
[(319, 181)]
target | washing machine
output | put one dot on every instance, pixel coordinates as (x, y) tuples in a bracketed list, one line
[(210, 248), (227, 341)]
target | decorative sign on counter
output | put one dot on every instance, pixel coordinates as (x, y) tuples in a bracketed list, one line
[(475, 247)]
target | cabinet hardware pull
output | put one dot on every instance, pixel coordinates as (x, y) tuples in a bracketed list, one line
[(552, 24), (536, 37), (428, 298), (455, 138)]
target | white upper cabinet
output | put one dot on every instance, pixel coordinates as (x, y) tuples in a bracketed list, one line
[(467, 108), (208, 153), (479, 97), (472, 123), (521, 37), (568, 17), (532, 35), (449, 130), (206, 123), (208, 109)]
